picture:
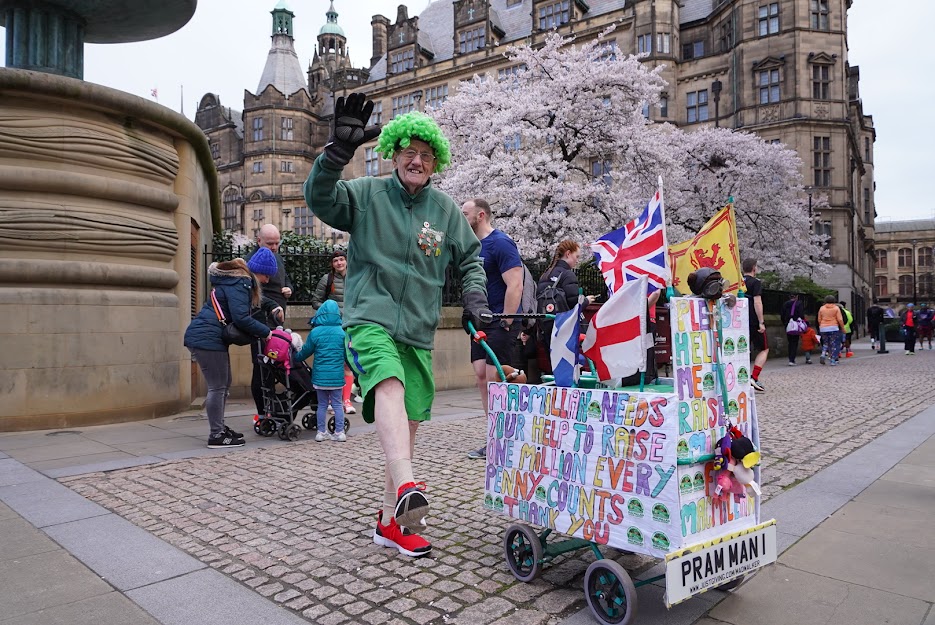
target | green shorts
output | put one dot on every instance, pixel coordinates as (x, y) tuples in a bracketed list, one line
[(374, 356)]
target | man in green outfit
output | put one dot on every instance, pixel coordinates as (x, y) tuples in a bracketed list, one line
[(404, 233)]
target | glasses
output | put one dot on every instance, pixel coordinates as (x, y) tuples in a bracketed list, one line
[(410, 155)]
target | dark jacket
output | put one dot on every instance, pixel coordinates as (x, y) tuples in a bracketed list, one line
[(569, 281), (875, 316), (232, 285), (323, 293), (273, 288), (326, 342), (788, 312)]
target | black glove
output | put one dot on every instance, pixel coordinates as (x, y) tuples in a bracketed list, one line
[(476, 311), (347, 128)]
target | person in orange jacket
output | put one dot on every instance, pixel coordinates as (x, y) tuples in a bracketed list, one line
[(809, 342), (831, 327)]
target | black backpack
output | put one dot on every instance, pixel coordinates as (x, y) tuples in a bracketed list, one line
[(550, 296)]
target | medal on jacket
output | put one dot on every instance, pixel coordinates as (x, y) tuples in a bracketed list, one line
[(430, 240)]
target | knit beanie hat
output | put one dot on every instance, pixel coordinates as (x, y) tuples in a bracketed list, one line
[(263, 262)]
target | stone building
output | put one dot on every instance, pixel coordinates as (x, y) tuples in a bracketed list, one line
[(777, 68), (904, 268)]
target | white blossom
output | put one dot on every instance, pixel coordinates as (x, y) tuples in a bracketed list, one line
[(528, 144)]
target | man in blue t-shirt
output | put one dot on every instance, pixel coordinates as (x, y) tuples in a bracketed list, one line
[(504, 269)]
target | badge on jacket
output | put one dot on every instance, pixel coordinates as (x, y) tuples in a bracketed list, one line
[(430, 240)]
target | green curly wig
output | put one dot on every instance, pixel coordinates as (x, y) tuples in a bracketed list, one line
[(397, 134)]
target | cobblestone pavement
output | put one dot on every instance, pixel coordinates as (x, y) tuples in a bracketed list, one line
[(294, 522)]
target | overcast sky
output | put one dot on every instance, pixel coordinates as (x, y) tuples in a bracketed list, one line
[(223, 50)]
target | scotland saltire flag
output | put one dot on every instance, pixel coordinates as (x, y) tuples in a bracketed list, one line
[(564, 346), (635, 250)]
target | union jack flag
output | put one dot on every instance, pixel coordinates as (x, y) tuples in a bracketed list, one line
[(635, 250)]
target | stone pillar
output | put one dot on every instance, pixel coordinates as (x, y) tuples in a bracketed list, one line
[(100, 192), (45, 39)]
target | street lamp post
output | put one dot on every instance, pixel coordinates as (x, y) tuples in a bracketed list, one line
[(716, 91), (914, 272)]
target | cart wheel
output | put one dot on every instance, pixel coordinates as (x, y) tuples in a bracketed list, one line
[(523, 551), (332, 425), (310, 421), (732, 584), (256, 426), (610, 593), (267, 427), (292, 432), (282, 432)]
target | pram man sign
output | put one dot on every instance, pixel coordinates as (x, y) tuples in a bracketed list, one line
[(698, 568)]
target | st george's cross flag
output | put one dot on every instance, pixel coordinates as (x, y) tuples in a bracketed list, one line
[(637, 249), (615, 340), (564, 346)]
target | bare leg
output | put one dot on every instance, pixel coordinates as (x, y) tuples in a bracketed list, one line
[(390, 409)]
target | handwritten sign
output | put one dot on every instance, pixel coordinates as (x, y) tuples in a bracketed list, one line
[(702, 414)]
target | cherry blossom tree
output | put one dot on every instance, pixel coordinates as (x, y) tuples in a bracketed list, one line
[(561, 147)]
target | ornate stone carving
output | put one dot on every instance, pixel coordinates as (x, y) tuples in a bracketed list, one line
[(769, 114), (86, 142), (821, 111)]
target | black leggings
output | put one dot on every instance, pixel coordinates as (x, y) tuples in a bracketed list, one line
[(793, 340)]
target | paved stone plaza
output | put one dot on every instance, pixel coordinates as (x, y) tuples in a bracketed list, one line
[(293, 521)]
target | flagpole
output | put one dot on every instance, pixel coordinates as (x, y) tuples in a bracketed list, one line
[(670, 292)]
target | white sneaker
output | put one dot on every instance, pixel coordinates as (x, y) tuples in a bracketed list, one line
[(349, 408), (339, 437), (791, 364), (322, 436)]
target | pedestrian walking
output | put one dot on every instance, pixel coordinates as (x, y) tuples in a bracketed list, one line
[(331, 287), (326, 343), (759, 344), (925, 325), (848, 329), (875, 316), (809, 342), (504, 270), (792, 315), (235, 290), (404, 234), (831, 329), (908, 318)]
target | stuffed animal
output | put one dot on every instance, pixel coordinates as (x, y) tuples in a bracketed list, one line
[(516, 376), (735, 457)]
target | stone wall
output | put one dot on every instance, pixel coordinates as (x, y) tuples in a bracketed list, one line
[(106, 201)]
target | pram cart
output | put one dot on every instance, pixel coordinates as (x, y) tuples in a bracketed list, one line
[(651, 471), (286, 387)]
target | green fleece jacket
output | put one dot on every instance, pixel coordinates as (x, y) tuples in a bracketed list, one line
[(400, 246)]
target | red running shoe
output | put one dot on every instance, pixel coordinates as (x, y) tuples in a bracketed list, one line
[(411, 505), (406, 542), (849, 355)]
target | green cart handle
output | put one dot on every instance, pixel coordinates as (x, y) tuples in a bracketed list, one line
[(475, 337)]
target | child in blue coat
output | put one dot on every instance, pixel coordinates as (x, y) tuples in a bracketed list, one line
[(326, 343)]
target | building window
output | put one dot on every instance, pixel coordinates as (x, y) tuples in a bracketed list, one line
[(904, 257), (693, 50), (820, 15), (696, 103), (286, 167), (881, 289), (257, 214), (372, 162), (402, 61), (821, 161), (232, 201), (303, 220), (403, 104), (821, 81), (662, 43), (664, 106), (258, 167), (768, 82), (905, 286), (600, 170), (768, 19), (285, 132), (868, 210), (823, 229), (513, 3), (436, 96), (924, 257), (215, 151), (258, 129), (512, 143), (926, 284), (726, 40), (553, 15), (470, 40), (881, 259), (376, 117), (867, 149), (607, 50), (644, 43)]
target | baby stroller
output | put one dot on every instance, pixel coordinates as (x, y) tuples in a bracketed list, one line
[(286, 386)]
